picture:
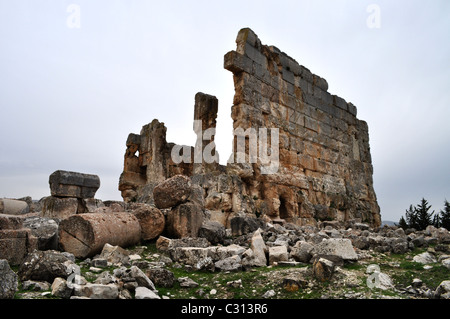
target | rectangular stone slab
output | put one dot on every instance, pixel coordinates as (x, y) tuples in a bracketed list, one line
[(73, 184)]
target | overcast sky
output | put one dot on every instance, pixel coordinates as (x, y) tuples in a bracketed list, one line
[(76, 77)]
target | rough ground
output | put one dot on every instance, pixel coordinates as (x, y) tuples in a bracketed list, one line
[(278, 282)]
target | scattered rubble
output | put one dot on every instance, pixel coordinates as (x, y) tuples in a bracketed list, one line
[(113, 274), (96, 255)]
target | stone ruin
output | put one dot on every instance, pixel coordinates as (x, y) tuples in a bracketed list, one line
[(321, 176), (324, 171)]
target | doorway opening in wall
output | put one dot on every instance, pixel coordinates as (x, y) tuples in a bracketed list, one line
[(283, 209)]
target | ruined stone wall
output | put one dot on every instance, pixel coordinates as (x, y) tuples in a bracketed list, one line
[(148, 157), (324, 170), (325, 164)]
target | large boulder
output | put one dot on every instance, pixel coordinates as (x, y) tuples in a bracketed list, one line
[(151, 219), (424, 258), (173, 191), (141, 278), (213, 231), (61, 289), (189, 255), (8, 280), (232, 263), (323, 269), (277, 254), (242, 225), (145, 293), (443, 290), (97, 291), (301, 252), (47, 265), (73, 184), (115, 255), (161, 277), (259, 249), (341, 247), (45, 230)]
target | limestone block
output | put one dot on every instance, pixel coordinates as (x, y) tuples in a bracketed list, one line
[(131, 179), (341, 247), (278, 253), (213, 231), (56, 207), (261, 73), (320, 82), (47, 265), (288, 76), (73, 184), (241, 225), (11, 222), (97, 291), (259, 249), (351, 109), (254, 54), (323, 269), (185, 220), (145, 293), (246, 35), (15, 244), (237, 63), (219, 201), (45, 230)]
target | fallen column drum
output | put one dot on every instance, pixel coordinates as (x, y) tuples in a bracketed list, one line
[(84, 235)]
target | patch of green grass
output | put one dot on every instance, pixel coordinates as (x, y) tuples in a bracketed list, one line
[(354, 266), (411, 265), (433, 277), (255, 283)]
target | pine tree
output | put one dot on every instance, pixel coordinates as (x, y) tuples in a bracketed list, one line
[(437, 221), (444, 218), (424, 218), (411, 217), (402, 223)]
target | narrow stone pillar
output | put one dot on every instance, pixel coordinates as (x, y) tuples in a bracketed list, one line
[(153, 149), (206, 158)]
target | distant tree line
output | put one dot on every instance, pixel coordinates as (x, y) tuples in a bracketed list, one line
[(419, 217)]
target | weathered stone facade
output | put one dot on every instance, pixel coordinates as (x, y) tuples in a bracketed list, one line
[(324, 170)]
